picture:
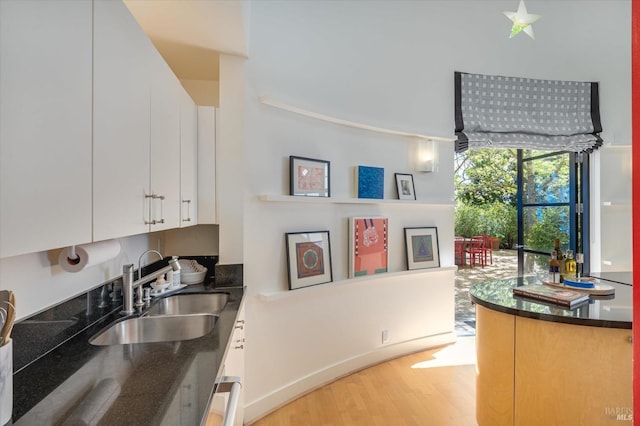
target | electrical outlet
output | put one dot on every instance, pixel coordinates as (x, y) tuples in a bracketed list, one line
[(385, 336)]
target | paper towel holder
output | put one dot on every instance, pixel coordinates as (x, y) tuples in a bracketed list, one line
[(72, 256), (78, 257)]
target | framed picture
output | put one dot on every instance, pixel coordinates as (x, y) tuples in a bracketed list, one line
[(422, 248), (368, 246), (406, 189), (309, 177), (308, 258)]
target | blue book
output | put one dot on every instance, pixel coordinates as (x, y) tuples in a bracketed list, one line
[(370, 182)]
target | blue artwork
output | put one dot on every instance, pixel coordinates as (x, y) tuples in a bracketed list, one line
[(370, 182)]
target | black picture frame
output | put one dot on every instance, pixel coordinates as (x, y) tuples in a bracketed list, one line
[(405, 186), (422, 247), (308, 258), (309, 177)]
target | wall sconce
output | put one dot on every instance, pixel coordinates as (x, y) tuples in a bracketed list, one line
[(426, 155)]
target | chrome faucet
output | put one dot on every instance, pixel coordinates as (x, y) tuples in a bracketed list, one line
[(128, 283), (140, 260)]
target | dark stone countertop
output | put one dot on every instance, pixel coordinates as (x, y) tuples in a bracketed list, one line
[(141, 384), (601, 311)]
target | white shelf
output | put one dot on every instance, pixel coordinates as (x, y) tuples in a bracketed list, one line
[(331, 200), (610, 146), (616, 203), (265, 100), (279, 295)]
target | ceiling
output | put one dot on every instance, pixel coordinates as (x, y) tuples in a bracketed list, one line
[(191, 34)]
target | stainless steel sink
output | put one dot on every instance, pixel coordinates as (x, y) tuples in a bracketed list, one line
[(155, 329), (182, 304)]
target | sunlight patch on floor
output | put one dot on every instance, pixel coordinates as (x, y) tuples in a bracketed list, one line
[(463, 352)]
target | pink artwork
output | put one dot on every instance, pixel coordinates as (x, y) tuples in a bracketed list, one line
[(310, 178), (369, 246)]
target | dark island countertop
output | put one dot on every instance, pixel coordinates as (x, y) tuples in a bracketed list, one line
[(601, 311), (141, 384)]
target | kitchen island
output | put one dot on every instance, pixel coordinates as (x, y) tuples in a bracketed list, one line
[(76, 382), (539, 363)]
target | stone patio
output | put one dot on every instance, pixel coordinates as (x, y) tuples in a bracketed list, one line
[(505, 264)]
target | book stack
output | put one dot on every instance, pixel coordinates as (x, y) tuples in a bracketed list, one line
[(565, 298)]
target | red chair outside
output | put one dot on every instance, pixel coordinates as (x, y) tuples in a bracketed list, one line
[(460, 251), (488, 248), (476, 251)]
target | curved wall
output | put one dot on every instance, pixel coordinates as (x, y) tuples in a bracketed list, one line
[(390, 65)]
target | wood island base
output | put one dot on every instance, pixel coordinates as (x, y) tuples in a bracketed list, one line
[(537, 372)]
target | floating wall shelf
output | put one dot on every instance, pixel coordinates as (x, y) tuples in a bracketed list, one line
[(616, 203), (265, 100), (331, 200), (278, 295)]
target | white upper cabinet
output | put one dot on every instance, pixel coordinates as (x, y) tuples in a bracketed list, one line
[(206, 165), (137, 106), (121, 128), (165, 145), (45, 131), (188, 161), (92, 122)]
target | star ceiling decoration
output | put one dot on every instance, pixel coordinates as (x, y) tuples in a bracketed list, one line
[(522, 20)]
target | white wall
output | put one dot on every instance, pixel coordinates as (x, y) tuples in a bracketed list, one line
[(199, 240), (230, 163), (38, 281), (388, 64)]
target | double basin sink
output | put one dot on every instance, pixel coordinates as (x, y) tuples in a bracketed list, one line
[(172, 318)]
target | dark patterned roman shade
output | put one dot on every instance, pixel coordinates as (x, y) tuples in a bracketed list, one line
[(512, 112)]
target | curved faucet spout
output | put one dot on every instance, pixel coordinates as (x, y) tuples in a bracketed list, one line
[(140, 260), (128, 283)]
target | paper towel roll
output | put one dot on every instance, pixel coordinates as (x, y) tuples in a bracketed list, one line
[(89, 255)]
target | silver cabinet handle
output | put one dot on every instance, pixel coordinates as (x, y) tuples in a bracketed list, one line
[(156, 197), (188, 203), (232, 384), (161, 198), (149, 222)]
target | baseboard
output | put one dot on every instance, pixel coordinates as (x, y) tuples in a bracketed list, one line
[(258, 408)]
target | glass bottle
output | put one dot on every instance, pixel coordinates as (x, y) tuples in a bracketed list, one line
[(560, 258), (570, 266), (580, 262), (554, 268)]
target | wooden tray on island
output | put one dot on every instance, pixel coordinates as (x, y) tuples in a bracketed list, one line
[(598, 288)]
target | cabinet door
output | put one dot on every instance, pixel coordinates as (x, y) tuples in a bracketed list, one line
[(234, 362), (165, 145), (559, 367), (206, 165), (45, 136), (188, 161), (121, 123)]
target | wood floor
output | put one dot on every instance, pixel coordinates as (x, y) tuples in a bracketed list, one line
[(434, 387)]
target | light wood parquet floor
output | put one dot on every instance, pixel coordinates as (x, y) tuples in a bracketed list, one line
[(434, 387)]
